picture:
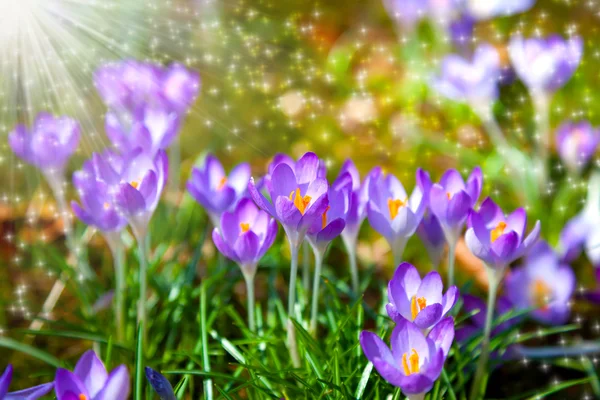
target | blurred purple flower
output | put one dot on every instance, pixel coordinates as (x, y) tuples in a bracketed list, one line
[(416, 300), (49, 144), (452, 198), (414, 362), (98, 208), (486, 9), (573, 236), (431, 234), (498, 240), (32, 393), (576, 144), (298, 196), (90, 380), (407, 13), (545, 64), (245, 235), (392, 213), (594, 294), (474, 325), (461, 32), (542, 283), (472, 81), (160, 384), (127, 85), (152, 127), (216, 191)]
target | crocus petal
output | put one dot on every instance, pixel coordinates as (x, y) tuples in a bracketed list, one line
[(246, 247), (474, 184), (452, 181), (476, 247), (287, 213), (5, 380), (374, 348), (66, 381), (130, 199), (438, 202), (504, 247), (415, 384), (332, 230), (239, 177), (458, 209), (31, 393), (517, 221), (428, 316), (260, 200), (160, 384), (442, 334), (431, 287), (117, 385), (378, 221), (406, 336), (449, 299), (393, 313), (283, 181), (91, 371), (223, 247), (306, 168)]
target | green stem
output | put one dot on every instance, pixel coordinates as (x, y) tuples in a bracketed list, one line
[(451, 262), (353, 268), (291, 331), (118, 254), (306, 267), (315, 295), (208, 389), (398, 250), (494, 278), (249, 278), (142, 241)]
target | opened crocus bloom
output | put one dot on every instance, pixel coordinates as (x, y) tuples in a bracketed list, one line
[(414, 361), (451, 199), (298, 196), (214, 190), (416, 300), (498, 240), (32, 393), (544, 284), (391, 212), (576, 144), (90, 381)]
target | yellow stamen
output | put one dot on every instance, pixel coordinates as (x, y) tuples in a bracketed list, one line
[(106, 205), (222, 183), (497, 231), (324, 220), (417, 305), (394, 206), (413, 367), (541, 293), (245, 227), (300, 202), (83, 397), (135, 184)]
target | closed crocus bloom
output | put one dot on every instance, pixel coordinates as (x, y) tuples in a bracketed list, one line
[(180, 86), (214, 190), (543, 284), (160, 384), (451, 199), (298, 196), (359, 199), (245, 235), (49, 144), (496, 239), (545, 64), (472, 81), (392, 213), (152, 127), (431, 234), (486, 9), (415, 361), (32, 393), (416, 300), (90, 381), (576, 143)]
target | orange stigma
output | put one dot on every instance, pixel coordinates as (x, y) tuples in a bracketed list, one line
[(417, 305), (106, 205), (135, 184), (324, 221), (83, 397), (394, 206), (222, 183), (410, 364), (245, 227), (497, 231), (449, 195), (541, 294), (300, 202)]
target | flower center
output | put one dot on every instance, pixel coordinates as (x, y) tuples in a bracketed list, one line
[(106, 205), (497, 231), (449, 195), (541, 294), (324, 218), (222, 183), (417, 305), (410, 363), (394, 205), (135, 184), (300, 202), (83, 397), (245, 227)]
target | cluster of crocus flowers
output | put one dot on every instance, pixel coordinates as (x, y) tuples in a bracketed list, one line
[(576, 143), (422, 337), (32, 393)]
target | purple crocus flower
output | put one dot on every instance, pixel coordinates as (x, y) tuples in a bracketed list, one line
[(474, 325), (414, 361), (472, 81), (451, 199), (461, 32), (496, 239), (152, 127), (431, 234), (180, 86), (245, 235), (298, 196), (576, 144), (416, 300), (486, 9), (90, 381), (392, 213), (407, 13), (545, 64), (32, 393), (160, 384), (98, 208), (543, 283), (49, 144), (281, 158), (216, 191)]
